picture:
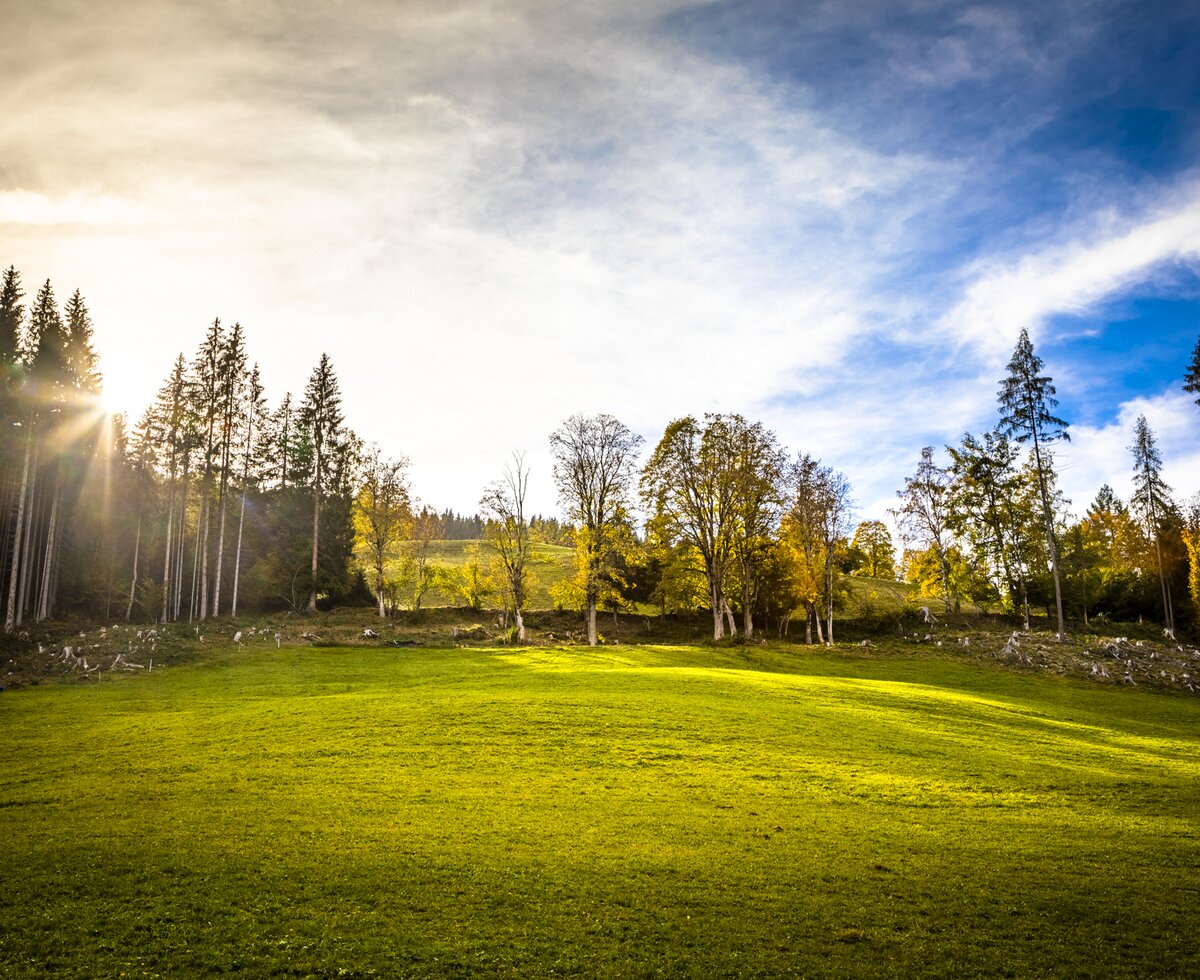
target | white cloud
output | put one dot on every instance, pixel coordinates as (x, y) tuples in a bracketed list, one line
[(1100, 454), (1072, 276), (492, 216), (79, 207)]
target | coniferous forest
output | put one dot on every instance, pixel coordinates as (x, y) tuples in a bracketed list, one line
[(222, 498)]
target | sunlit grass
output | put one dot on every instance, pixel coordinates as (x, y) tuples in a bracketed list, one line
[(614, 812)]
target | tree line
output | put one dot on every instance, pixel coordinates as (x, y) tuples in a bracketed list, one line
[(215, 501)]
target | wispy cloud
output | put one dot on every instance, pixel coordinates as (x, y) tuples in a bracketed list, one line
[(1100, 454), (1071, 276), (495, 215)]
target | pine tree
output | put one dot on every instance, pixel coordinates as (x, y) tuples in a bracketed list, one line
[(81, 360), (1191, 380), (231, 379), (252, 410), (12, 316), (1027, 401), (205, 404), (1152, 502), (320, 418)]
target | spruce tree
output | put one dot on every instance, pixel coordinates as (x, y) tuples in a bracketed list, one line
[(12, 314), (1191, 380), (320, 418), (1027, 402), (79, 355), (1152, 502)]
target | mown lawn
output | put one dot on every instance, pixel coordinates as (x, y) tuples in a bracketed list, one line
[(628, 812)]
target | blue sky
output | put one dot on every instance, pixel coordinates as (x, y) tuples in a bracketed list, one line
[(833, 217)]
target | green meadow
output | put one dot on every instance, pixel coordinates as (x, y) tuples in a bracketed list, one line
[(549, 564), (620, 812)]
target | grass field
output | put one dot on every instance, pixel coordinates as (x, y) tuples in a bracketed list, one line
[(619, 812)]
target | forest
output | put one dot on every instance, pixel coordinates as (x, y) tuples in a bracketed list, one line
[(218, 501)]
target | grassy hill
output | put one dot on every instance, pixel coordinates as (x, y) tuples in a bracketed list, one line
[(551, 563), (621, 811), (864, 596)]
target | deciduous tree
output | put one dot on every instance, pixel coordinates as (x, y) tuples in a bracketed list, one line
[(381, 516), (506, 532), (874, 540), (689, 488), (923, 514), (594, 467)]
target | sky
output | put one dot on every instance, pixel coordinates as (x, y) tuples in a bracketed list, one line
[(834, 218)]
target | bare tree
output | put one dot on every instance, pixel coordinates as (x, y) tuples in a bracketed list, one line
[(923, 513), (507, 534)]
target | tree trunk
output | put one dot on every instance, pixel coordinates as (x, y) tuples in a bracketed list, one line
[(718, 624), (237, 558), (1051, 540), (205, 515), (593, 635), (1168, 617), (829, 595), (316, 532), (216, 602), (196, 563), (42, 607), (747, 604), (520, 624), (27, 544), (181, 547), (10, 616), (137, 544)]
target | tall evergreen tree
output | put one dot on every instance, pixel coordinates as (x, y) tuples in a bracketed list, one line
[(320, 418), (81, 360), (1152, 503), (231, 379), (1027, 402), (12, 317), (1191, 379), (252, 410)]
